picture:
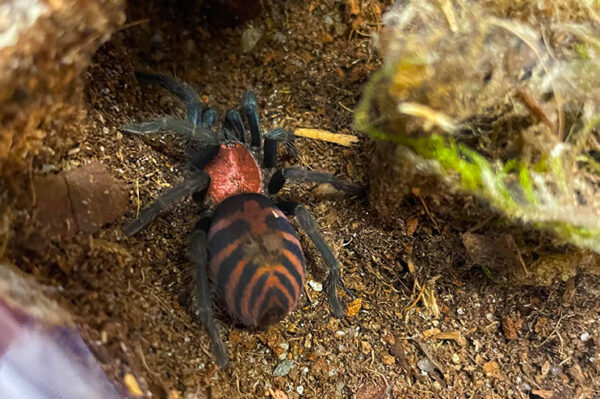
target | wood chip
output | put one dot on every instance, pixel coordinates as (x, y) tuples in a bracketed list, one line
[(542, 393), (324, 135), (353, 7), (452, 336), (132, 385), (512, 327), (354, 307), (491, 368), (411, 225)]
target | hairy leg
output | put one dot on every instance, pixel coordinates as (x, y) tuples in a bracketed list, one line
[(234, 123), (280, 177), (197, 182), (250, 111), (308, 224), (184, 128), (272, 139), (197, 253), (188, 95)]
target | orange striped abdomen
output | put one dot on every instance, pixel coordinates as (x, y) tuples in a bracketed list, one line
[(256, 262)]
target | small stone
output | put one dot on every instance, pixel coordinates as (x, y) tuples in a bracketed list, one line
[(250, 38), (315, 285), (365, 347), (283, 368), (300, 389), (426, 366), (307, 342), (455, 358), (585, 336), (491, 368), (388, 360), (354, 307)]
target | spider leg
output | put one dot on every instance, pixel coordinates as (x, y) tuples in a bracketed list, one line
[(272, 139), (209, 118), (182, 127), (250, 110), (188, 95), (302, 175), (308, 224), (197, 253), (234, 123), (198, 182)]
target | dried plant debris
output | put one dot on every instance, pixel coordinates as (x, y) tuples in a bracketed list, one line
[(506, 109)]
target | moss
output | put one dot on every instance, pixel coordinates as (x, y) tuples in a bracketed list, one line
[(439, 77)]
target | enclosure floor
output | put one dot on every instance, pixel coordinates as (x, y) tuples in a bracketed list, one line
[(131, 295)]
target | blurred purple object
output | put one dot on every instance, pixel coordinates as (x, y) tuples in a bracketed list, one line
[(42, 356)]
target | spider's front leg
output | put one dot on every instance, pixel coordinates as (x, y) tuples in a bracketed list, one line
[(272, 139), (198, 182), (250, 111), (198, 254), (308, 224), (184, 128), (188, 95)]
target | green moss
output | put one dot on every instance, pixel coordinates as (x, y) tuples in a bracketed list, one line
[(477, 176)]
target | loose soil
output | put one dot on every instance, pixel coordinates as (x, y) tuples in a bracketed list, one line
[(429, 324)]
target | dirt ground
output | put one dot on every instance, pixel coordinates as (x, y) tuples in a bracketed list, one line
[(429, 325)]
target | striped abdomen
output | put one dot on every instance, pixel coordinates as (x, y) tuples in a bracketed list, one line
[(256, 262)]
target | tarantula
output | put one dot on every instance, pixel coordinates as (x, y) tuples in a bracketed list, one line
[(243, 246)]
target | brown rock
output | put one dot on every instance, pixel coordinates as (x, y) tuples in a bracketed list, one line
[(82, 199), (52, 206), (96, 197)]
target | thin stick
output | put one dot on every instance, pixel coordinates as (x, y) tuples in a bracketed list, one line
[(318, 134)]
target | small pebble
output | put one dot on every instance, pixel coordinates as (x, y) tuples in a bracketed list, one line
[(425, 366), (300, 389), (455, 358), (315, 285), (250, 38), (460, 311), (283, 368), (585, 336), (365, 347)]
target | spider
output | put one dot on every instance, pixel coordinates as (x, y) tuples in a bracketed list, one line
[(243, 247)]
